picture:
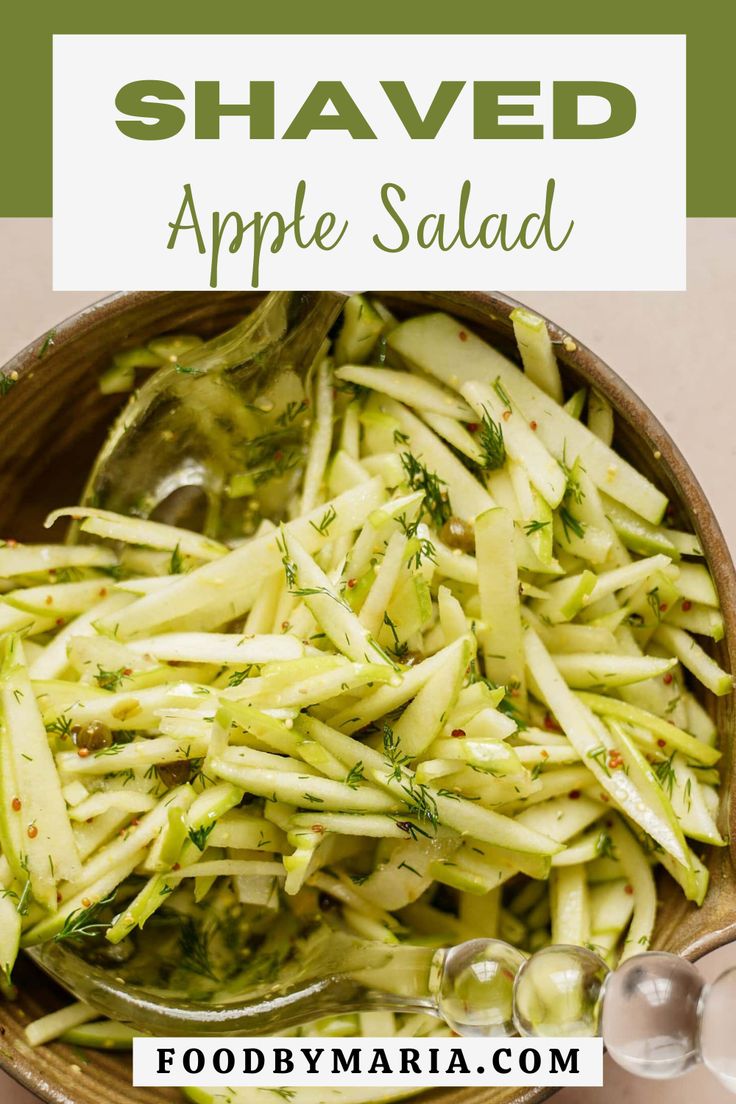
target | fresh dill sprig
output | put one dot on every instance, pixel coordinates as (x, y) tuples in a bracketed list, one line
[(400, 646), (418, 796), (573, 489), (599, 754), (411, 829), (490, 439), (111, 680), (323, 527), (48, 341), (420, 800), (176, 562), (61, 726), (199, 836), (502, 393), (355, 775), (424, 551), (237, 677), (112, 749), (570, 523), (308, 592), (291, 411), (436, 502), (194, 948), (289, 570), (654, 603), (535, 526), (83, 922), (392, 752), (604, 846), (665, 774)]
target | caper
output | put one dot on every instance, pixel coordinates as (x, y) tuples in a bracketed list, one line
[(175, 773), (94, 736), (327, 903), (456, 533)]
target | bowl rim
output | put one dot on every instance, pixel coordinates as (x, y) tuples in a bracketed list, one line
[(626, 403)]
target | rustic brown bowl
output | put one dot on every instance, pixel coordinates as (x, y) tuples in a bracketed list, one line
[(51, 425)]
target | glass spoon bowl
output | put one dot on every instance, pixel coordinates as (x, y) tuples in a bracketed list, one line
[(470, 986), (235, 406)]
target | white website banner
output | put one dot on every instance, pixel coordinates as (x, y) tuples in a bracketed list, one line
[(293, 161), (378, 1063)]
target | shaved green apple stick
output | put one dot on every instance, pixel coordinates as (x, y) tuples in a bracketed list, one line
[(639, 874), (589, 670), (387, 575), (695, 659), (320, 441), (10, 926), (467, 495), (537, 354), (408, 389), (521, 440), (454, 433), (199, 816), (305, 791), (306, 579), (34, 559), (47, 838), (240, 573), (132, 530), (447, 350), (498, 585), (350, 718), (591, 738), (60, 599), (232, 649), (436, 806), (423, 719), (600, 417), (570, 905), (674, 737)]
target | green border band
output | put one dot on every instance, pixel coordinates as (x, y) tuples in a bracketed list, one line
[(25, 72)]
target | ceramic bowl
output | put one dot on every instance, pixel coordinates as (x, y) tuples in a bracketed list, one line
[(51, 425)]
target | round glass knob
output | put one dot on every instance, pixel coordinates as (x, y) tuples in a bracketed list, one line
[(476, 988), (650, 1015), (558, 992), (717, 1012)]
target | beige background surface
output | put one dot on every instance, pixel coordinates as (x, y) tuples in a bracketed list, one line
[(675, 349)]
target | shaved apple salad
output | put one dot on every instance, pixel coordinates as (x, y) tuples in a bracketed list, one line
[(456, 692)]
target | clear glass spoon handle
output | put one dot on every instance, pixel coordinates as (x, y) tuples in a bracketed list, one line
[(657, 1015)]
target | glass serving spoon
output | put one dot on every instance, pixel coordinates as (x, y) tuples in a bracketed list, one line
[(233, 409), (657, 1016)]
